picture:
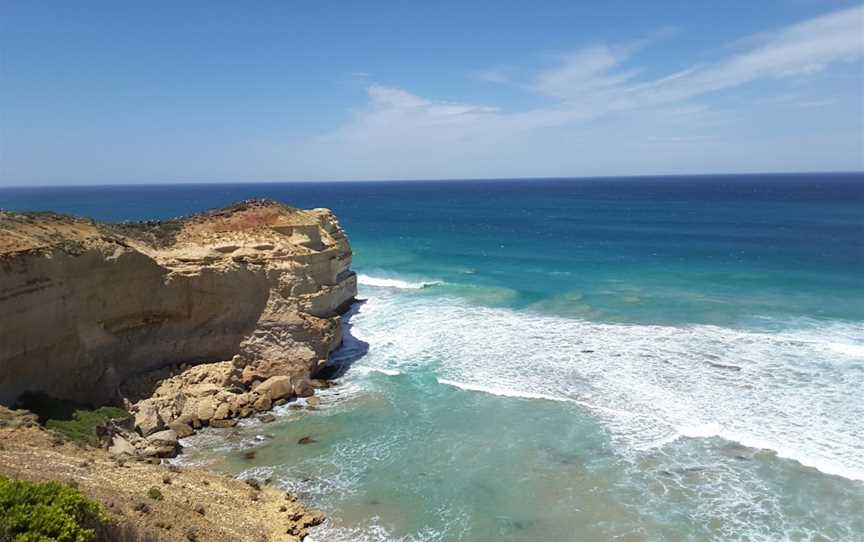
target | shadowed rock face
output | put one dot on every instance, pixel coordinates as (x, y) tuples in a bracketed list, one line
[(84, 306)]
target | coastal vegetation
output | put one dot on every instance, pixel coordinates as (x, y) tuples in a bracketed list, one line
[(47, 511), (79, 423)]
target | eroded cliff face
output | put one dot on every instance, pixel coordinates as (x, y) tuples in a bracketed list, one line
[(86, 306)]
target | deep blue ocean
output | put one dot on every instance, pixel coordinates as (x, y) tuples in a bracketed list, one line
[(657, 358)]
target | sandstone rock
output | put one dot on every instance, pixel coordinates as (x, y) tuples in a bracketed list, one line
[(262, 403), (222, 412), (187, 418), (267, 418), (223, 424), (239, 401), (162, 444), (147, 419), (302, 520), (275, 387), (313, 401), (302, 388), (206, 408), (120, 447), (183, 430), (106, 302), (249, 375)]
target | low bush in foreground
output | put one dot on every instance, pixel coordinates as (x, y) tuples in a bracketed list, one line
[(47, 511)]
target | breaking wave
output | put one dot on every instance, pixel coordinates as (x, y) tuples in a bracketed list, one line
[(796, 391), (382, 282)]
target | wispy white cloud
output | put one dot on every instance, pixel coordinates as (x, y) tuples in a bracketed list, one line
[(418, 136)]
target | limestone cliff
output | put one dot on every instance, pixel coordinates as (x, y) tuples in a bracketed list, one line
[(85, 306)]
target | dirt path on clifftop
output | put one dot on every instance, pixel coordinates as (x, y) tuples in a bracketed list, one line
[(194, 505)]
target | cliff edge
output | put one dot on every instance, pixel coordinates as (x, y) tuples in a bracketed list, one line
[(89, 309)]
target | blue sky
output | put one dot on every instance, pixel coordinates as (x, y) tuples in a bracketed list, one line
[(137, 92)]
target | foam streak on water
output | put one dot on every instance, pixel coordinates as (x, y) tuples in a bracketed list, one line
[(398, 284), (796, 392)]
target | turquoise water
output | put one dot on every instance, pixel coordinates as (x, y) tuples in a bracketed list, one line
[(630, 359)]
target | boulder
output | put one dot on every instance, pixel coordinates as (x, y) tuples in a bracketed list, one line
[(239, 401), (147, 419), (313, 401), (249, 375), (120, 447), (183, 430), (222, 411), (223, 424), (162, 444), (206, 408), (302, 388), (187, 418), (276, 387), (262, 403)]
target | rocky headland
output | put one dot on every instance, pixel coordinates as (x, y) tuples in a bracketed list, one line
[(185, 323)]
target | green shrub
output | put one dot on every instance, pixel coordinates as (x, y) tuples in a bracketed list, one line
[(154, 494), (47, 512), (75, 421)]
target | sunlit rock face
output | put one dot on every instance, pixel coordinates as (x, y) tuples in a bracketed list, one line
[(84, 305)]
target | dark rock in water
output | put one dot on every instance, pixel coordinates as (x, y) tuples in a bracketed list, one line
[(306, 440), (223, 424), (666, 473), (689, 470), (566, 459), (521, 525), (587, 351), (267, 418), (724, 366), (249, 455)]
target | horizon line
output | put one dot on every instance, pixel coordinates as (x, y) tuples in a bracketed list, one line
[(445, 179)]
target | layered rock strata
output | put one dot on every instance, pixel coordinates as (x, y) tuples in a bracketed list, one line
[(190, 322)]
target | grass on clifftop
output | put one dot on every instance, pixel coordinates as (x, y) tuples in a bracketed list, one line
[(77, 422), (47, 511)]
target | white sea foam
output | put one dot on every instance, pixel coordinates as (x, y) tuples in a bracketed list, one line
[(502, 392), (388, 372), (382, 282), (852, 350), (794, 391), (371, 533)]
